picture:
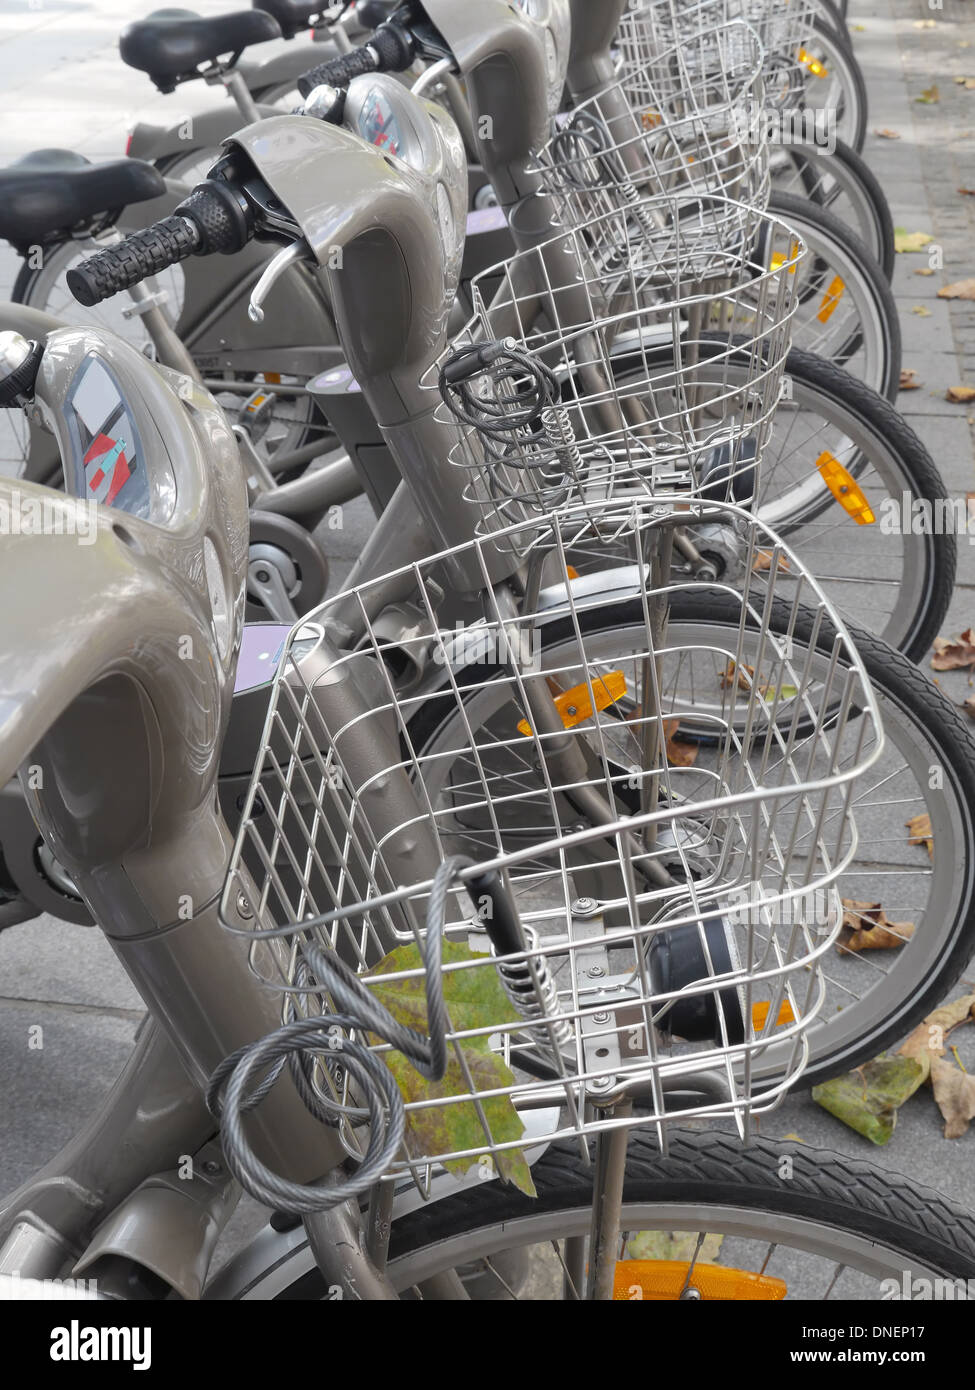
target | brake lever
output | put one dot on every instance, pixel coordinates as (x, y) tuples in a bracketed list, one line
[(285, 258)]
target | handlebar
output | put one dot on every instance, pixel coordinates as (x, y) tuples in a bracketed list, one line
[(390, 49), (213, 219)]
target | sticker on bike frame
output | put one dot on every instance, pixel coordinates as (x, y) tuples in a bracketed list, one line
[(108, 465), (576, 704), (845, 489)]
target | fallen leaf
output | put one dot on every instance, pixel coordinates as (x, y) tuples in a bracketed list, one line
[(474, 999), (927, 1040), (970, 84), (954, 656), (921, 833), (888, 134), (954, 1095), (763, 562), (967, 192), (868, 1099), (859, 29), (744, 674), (960, 289), (909, 381), (673, 1245), (869, 929), (959, 395), (905, 241), (930, 96), (921, 312), (924, 270), (679, 754), (924, 24)]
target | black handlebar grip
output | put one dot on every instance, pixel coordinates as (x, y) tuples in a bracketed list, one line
[(143, 254), (389, 50)]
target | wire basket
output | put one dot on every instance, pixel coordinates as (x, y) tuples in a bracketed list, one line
[(596, 370), (784, 28), (682, 124), (670, 913)]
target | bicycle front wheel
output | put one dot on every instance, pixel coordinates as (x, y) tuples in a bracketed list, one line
[(814, 1225)]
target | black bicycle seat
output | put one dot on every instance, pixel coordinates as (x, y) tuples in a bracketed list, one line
[(171, 44), (50, 192), (292, 15)]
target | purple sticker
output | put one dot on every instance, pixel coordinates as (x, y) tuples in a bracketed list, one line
[(260, 652)]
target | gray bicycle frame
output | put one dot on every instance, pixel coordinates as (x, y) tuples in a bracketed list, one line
[(113, 1190)]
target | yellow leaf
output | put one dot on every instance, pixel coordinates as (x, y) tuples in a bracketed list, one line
[(905, 241), (960, 394), (924, 270), (930, 96), (921, 312)]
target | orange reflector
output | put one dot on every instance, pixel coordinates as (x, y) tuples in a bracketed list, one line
[(571, 572), (760, 1014), (831, 298), (662, 1281), (842, 485), (779, 258), (256, 404), (574, 705), (272, 378), (813, 64)]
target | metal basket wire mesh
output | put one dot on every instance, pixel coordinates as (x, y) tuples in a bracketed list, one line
[(681, 123), (783, 28), (612, 375), (734, 856)]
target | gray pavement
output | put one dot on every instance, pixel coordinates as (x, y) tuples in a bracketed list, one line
[(63, 84)]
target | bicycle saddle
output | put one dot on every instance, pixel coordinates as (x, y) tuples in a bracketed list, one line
[(292, 15), (171, 44), (48, 192)]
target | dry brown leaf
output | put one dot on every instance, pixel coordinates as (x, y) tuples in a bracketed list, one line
[(954, 656), (744, 674), (869, 928), (679, 754), (887, 937), (930, 96), (924, 270), (960, 395), (921, 833), (954, 1094), (923, 1044), (763, 563), (967, 192), (960, 289), (909, 381), (888, 134)]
